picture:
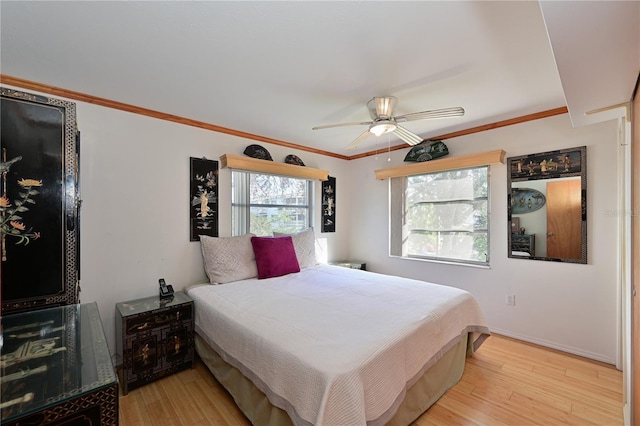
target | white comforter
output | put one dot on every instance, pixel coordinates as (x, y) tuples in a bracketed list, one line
[(334, 346)]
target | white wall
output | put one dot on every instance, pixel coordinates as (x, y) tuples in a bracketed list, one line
[(571, 307)]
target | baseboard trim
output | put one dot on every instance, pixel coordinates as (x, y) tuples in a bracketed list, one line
[(553, 345)]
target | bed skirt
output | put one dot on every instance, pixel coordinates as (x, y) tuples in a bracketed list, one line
[(255, 405)]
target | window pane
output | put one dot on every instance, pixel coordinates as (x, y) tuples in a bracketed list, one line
[(441, 217), (428, 188), (270, 189), (452, 216), (451, 246), (446, 215), (288, 220)]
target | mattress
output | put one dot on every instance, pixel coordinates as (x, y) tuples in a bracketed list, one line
[(335, 346)]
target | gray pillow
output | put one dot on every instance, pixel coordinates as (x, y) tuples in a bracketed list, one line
[(304, 244), (228, 259)]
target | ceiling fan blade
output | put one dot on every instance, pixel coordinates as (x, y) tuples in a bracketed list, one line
[(359, 139), (407, 136), (434, 113), (354, 123)]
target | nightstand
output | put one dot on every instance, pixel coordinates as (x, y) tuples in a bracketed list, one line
[(154, 338), (352, 264), (524, 242)]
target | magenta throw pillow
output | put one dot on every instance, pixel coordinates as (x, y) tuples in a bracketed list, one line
[(274, 256)]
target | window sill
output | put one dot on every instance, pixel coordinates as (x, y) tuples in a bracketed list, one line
[(444, 262)]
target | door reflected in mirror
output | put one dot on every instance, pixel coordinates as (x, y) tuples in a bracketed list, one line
[(547, 206)]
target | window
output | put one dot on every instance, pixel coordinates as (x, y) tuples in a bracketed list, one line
[(263, 203), (441, 216)]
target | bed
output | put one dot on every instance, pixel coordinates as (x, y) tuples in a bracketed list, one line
[(327, 345)]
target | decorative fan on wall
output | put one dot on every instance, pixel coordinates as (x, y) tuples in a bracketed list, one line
[(383, 120)]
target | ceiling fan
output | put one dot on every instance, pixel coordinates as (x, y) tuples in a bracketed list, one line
[(383, 120)]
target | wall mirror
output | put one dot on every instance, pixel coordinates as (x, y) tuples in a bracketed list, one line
[(547, 206)]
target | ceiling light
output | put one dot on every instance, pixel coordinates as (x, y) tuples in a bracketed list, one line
[(381, 127)]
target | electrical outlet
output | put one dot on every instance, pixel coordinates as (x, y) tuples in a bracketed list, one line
[(510, 299)]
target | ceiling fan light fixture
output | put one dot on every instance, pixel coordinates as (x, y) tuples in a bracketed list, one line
[(381, 127)]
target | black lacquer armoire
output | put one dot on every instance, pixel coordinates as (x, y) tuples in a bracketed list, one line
[(40, 241)]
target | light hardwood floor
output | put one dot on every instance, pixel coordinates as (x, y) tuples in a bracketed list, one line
[(507, 382)]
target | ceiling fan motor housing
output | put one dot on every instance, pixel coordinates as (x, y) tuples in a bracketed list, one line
[(381, 108)]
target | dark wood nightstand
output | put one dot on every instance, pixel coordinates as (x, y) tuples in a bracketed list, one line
[(352, 264), (524, 242), (154, 338)]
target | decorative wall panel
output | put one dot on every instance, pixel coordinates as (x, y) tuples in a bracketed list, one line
[(329, 205)]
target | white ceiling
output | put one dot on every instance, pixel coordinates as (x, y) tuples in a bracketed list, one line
[(277, 69)]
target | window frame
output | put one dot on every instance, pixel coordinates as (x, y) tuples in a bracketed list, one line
[(398, 226), (241, 204)]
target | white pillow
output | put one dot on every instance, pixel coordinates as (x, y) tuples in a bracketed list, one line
[(228, 259), (304, 244)]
